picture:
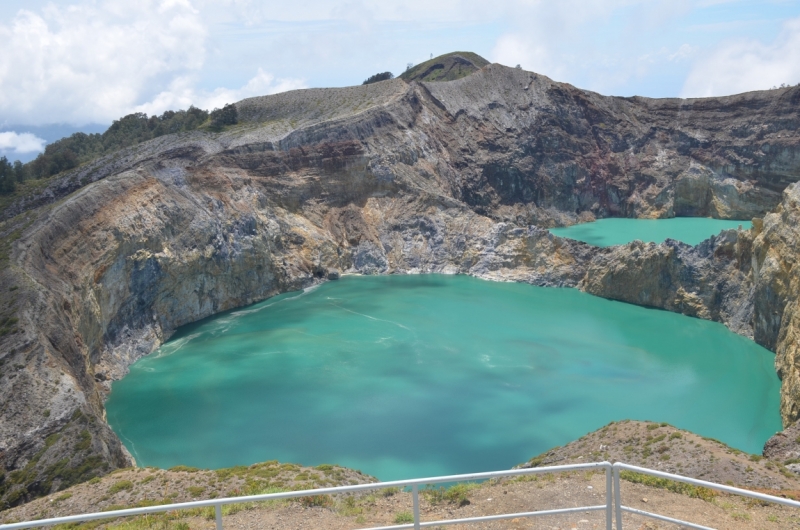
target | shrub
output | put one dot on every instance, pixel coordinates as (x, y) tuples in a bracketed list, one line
[(323, 501), (186, 469), (457, 494), (383, 76), (404, 517), (227, 115), (196, 491), (71, 151), (120, 486), (85, 440), (697, 492)]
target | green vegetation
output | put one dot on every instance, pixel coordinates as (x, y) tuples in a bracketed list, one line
[(348, 507), (121, 485), (196, 491), (227, 115), (186, 469), (697, 492), (132, 129), (80, 148), (11, 174), (85, 440), (404, 517), (38, 478), (458, 494), (446, 67), (384, 76), (322, 501)]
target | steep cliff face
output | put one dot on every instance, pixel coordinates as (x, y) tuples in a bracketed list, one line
[(713, 280), (777, 288), (456, 177)]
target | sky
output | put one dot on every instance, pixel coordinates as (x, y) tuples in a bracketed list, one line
[(70, 65)]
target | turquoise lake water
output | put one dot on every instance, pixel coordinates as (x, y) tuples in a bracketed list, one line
[(619, 231), (409, 376)]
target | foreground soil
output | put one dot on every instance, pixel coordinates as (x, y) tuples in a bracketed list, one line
[(689, 454)]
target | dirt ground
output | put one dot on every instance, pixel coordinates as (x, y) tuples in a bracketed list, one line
[(640, 443), (723, 512)]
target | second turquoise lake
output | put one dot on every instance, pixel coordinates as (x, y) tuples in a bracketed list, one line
[(619, 231)]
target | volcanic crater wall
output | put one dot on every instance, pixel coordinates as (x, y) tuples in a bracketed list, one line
[(454, 177)]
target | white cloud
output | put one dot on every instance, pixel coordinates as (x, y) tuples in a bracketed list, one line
[(746, 64), (601, 45), (92, 61), (559, 39), (21, 142), (182, 93), (257, 11), (513, 49), (97, 61)]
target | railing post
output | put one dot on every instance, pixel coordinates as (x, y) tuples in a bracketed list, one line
[(218, 511), (617, 497), (415, 496), (609, 498)]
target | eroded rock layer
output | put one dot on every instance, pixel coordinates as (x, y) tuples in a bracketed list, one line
[(456, 177)]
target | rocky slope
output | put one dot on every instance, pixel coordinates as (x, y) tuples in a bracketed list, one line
[(392, 177)]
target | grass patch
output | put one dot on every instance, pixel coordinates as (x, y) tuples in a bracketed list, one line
[(120, 485), (348, 507), (458, 494), (404, 518), (186, 469), (195, 491), (697, 492), (316, 501)]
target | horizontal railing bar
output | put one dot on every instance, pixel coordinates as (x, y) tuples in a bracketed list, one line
[(304, 493), (484, 518), (710, 485), (664, 518), (499, 517)]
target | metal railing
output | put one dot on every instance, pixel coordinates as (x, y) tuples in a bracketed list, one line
[(613, 506), (619, 507)]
